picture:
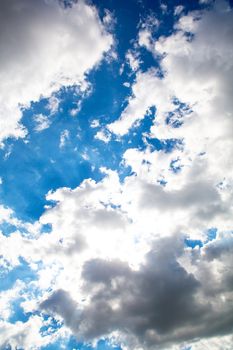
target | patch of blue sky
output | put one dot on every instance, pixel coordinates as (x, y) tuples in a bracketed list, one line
[(7, 229), (132, 12), (175, 166), (51, 325), (73, 344), (46, 228), (58, 345), (21, 272), (193, 243), (176, 118), (210, 235), (149, 61), (17, 312)]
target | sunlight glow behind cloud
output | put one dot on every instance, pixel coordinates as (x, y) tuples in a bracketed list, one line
[(116, 175)]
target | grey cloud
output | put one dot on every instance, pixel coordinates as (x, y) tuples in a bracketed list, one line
[(219, 248), (220, 251), (158, 305), (192, 194), (160, 296), (201, 197), (67, 246), (100, 271), (62, 304), (75, 245)]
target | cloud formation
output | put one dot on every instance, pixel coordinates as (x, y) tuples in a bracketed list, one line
[(44, 46), (141, 255), (155, 306)]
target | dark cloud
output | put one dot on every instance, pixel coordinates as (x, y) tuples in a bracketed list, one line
[(157, 305), (218, 248), (62, 304), (160, 296)]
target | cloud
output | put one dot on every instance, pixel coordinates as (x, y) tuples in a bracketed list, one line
[(191, 97), (198, 73), (44, 46), (42, 122), (64, 138), (147, 91), (103, 135), (155, 306), (178, 10), (61, 303), (132, 60), (25, 334), (116, 263)]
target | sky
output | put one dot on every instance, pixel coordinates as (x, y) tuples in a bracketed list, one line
[(116, 174)]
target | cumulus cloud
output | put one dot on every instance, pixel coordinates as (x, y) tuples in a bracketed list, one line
[(44, 46), (165, 295), (141, 101), (193, 105), (161, 293), (26, 334), (155, 306), (198, 73), (116, 262)]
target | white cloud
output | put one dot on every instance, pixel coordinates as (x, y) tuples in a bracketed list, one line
[(104, 230), (64, 137), (205, 1), (27, 335), (178, 9), (133, 60), (53, 104), (163, 7), (145, 33), (42, 122), (144, 38), (103, 135), (95, 123), (74, 111), (115, 263), (198, 73), (44, 46), (147, 91)]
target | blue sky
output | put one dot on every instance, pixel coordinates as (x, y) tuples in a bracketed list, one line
[(116, 175)]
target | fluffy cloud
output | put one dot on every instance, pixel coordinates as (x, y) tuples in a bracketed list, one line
[(141, 101), (26, 335), (158, 295), (193, 103), (167, 295), (195, 91), (160, 304), (115, 263), (44, 46)]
